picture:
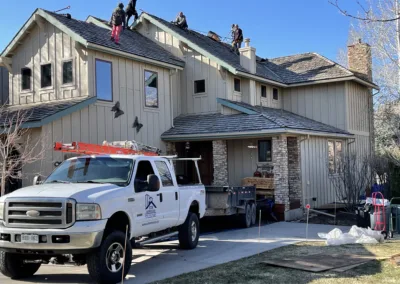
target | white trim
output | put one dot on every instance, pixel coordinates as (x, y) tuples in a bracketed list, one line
[(240, 85), (260, 79), (72, 84), (343, 79), (205, 87), (52, 76)]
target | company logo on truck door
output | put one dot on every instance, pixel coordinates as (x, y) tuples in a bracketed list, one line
[(150, 207)]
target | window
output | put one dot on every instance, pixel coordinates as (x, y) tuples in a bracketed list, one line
[(45, 73), (67, 72), (151, 89), (275, 94), (26, 75), (237, 85), (143, 170), (265, 151), (263, 91), (104, 80), (335, 156), (165, 174), (199, 86)]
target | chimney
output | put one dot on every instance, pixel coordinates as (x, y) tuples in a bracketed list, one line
[(360, 59), (248, 57)]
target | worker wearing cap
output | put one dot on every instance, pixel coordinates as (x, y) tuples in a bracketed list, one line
[(118, 22)]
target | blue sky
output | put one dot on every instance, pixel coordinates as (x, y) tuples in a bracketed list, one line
[(275, 27)]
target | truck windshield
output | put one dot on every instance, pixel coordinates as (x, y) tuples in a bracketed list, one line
[(93, 170)]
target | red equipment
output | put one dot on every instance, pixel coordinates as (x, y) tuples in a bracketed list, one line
[(94, 149), (379, 211)]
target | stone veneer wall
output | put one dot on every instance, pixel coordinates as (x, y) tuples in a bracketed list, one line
[(281, 171), (220, 162), (294, 158)]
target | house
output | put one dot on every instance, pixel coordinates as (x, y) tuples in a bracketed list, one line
[(3, 85), (194, 96)]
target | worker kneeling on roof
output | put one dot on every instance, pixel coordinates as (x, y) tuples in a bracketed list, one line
[(181, 21), (118, 22)]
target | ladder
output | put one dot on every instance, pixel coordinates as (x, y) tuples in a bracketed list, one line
[(108, 148)]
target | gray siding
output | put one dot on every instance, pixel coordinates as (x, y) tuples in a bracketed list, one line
[(324, 102), (268, 101), (43, 46), (3, 85)]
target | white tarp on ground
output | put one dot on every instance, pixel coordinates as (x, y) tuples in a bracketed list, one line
[(356, 235)]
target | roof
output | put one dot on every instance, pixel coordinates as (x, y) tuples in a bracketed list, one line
[(257, 120), (131, 42), (37, 115), (294, 69)]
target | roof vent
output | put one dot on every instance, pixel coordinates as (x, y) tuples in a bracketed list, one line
[(214, 36)]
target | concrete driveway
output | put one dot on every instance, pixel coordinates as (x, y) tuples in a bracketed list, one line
[(164, 260)]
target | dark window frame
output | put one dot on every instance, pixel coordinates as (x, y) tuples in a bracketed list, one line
[(170, 179), (22, 79), (275, 94), (112, 79), (234, 85), (72, 72), (144, 90), (263, 87), (268, 158), (196, 92), (42, 77), (135, 180)]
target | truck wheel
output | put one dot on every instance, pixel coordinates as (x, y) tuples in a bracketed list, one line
[(189, 232), (105, 263), (246, 217), (253, 214), (13, 266)]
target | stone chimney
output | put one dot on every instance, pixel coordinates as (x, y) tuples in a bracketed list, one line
[(360, 59), (248, 57)]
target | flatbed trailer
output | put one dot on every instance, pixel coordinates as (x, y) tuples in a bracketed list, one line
[(229, 201)]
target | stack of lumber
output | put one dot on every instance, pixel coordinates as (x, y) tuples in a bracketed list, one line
[(264, 186)]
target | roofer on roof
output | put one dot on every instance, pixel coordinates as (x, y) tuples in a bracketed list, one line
[(130, 11), (181, 21), (238, 38), (118, 22)]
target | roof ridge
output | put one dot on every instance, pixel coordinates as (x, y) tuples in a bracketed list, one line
[(296, 54), (333, 62)]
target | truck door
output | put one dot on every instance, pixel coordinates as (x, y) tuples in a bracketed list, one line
[(146, 206), (170, 194)]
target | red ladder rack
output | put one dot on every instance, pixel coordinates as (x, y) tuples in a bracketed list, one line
[(94, 149)]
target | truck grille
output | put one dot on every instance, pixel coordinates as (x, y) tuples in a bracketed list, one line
[(38, 213)]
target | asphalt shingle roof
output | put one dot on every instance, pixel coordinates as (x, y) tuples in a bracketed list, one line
[(130, 41), (38, 112), (264, 119)]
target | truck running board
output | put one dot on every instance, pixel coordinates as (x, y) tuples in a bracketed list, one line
[(156, 239)]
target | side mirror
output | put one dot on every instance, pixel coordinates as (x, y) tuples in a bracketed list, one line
[(37, 180), (154, 183)]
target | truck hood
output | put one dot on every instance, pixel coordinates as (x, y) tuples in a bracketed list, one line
[(81, 192)]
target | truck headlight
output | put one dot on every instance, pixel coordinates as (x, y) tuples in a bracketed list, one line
[(88, 212), (1, 210)]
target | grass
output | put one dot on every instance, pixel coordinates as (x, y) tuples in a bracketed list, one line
[(250, 270)]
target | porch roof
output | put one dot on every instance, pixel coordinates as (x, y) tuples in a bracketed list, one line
[(257, 121)]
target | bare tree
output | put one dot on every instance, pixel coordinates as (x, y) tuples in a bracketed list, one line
[(18, 146)]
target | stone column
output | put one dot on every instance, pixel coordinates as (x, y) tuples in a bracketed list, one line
[(220, 162), (294, 158), (281, 171)]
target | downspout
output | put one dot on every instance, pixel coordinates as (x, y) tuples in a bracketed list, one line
[(171, 73)]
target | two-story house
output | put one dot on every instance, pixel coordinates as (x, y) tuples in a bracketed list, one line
[(194, 96)]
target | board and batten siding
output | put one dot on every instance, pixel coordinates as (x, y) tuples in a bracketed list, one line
[(269, 100), (325, 103), (3, 85), (42, 46)]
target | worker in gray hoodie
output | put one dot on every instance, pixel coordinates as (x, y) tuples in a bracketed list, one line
[(181, 21), (118, 22)]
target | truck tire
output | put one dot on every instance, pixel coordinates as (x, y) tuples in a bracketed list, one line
[(105, 263), (253, 214), (246, 217), (13, 266), (189, 232)]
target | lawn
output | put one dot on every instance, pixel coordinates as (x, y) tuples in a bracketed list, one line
[(250, 270)]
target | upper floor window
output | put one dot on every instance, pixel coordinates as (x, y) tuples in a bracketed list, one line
[(26, 74), (67, 72), (45, 76), (263, 91), (265, 151), (151, 89), (275, 94), (104, 80), (199, 86), (335, 156), (237, 85)]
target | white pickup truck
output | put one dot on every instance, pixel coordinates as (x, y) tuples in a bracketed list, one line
[(88, 205)]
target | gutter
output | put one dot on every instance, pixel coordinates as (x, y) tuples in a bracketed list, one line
[(342, 79), (127, 55)]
